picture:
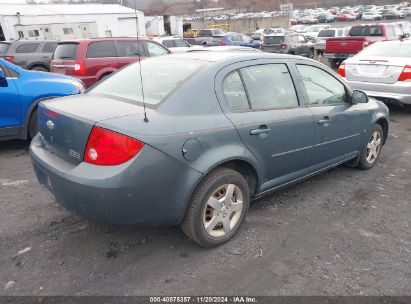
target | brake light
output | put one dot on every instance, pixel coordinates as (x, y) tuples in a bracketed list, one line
[(80, 68), (405, 74), (51, 114), (9, 58), (223, 42), (284, 46), (341, 69), (108, 148)]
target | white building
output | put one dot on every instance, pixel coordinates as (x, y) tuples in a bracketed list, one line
[(164, 25), (68, 21)]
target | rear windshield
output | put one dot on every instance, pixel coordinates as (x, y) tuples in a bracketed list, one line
[(386, 50), (66, 51), (3, 48), (274, 39), (359, 31), (161, 76), (326, 33)]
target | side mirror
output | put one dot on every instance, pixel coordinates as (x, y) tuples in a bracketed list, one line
[(359, 97)]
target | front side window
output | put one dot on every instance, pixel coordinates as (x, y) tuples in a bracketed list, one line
[(234, 92), (321, 87), (155, 49), (101, 49), (269, 86), (27, 48)]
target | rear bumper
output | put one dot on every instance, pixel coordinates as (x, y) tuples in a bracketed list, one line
[(320, 46), (397, 92), (152, 188), (338, 55), (274, 50)]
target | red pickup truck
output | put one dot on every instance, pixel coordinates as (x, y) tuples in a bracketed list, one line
[(359, 37)]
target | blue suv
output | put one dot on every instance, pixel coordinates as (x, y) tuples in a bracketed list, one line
[(21, 91)]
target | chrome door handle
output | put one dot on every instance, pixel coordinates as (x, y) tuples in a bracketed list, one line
[(325, 121), (260, 130)]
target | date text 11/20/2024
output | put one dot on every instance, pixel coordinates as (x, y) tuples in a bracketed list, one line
[(203, 300)]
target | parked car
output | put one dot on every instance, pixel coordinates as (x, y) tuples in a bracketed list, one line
[(258, 34), (405, 27), (174, 44), (324, 34), (232, 38), (326, 18), (392, 14), (313, 30), (29, 54), (93, 59), (371, 16), (202, 147), (204, 35), (406, 11), (359, 37), (345, 17), (299, 28), (21, 91), (381, 72), (291, 43)]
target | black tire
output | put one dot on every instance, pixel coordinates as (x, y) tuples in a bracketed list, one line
[(193, 223), (363, 163), (39, 69), (312, 54), (33, 127)]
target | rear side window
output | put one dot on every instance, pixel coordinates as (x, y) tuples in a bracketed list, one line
[(205, 33), (155, 49), (66, 51), (269, 86), (101, 49), (326, 33), (358, 31), (130, 49), (3, 48), (27, 48), (49, 47), (234, 92)]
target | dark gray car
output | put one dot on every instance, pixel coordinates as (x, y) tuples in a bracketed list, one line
[(291, 43), (220, 129), (29, 54)]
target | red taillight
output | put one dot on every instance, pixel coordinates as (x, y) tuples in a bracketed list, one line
[(405, 74), (223, 42), (341, 69), (9, 58), (79, 68), (51, 114), (284, 46), (108, 148)]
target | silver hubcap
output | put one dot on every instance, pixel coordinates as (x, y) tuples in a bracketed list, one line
[(223, 210), (373, 147)]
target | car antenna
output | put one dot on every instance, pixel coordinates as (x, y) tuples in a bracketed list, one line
[(139, 61)]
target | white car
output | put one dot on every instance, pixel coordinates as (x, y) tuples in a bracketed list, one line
[(371, 16), (313, 30), (175, 44), (258, 34)]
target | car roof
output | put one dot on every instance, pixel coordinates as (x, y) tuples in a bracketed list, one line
[(227, 56), (105, 39)]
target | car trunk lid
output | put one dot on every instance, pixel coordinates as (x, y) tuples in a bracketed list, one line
[(64, 58), (376, 70), (66, 123)]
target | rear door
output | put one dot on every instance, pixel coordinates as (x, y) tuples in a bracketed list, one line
[(10, 107), (261, 101), (338, 124), (101, 58), (26, 53), (47, 51)]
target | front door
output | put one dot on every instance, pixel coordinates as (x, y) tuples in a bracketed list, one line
[(264, 107), (10, 108), (338, 123)]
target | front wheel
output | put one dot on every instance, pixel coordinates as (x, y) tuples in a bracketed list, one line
[(217, 208), (372, 149)]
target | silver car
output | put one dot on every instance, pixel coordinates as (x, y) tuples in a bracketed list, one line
[(382, 70)]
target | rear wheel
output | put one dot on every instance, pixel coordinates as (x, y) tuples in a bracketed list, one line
[(33, 127), (334, 63), (372, 149), (217, 208)]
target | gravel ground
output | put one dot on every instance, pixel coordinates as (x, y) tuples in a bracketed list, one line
[(344, 232)]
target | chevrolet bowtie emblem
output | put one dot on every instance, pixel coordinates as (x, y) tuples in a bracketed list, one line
[(50, 124)]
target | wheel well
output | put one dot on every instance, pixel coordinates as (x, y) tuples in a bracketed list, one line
[(38, 65), (104, 75), (246, 170), (384, 125)]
